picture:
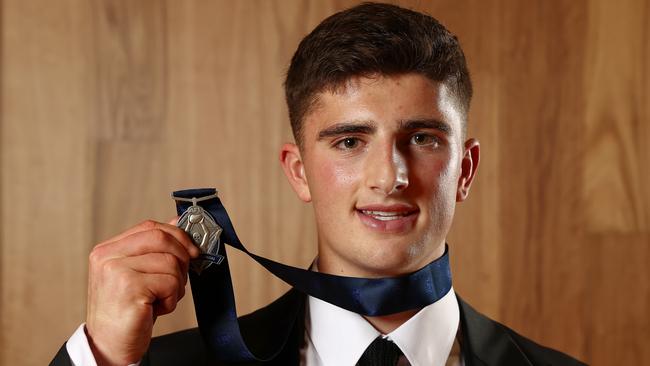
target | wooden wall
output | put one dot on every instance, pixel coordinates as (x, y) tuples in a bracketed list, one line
[(108, 105)]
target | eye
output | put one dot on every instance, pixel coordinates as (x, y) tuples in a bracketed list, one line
[(423, 139), (348, 143)]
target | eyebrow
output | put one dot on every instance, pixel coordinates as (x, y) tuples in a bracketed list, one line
[(432, 124), (345, 128), (368, 127)]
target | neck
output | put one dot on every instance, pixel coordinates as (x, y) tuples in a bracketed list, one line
[(388, 323)]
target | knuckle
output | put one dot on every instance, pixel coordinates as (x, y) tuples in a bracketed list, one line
[(114, 273), (123, 280), (149, 224), (95, 256), (180, 232), (112, 267), (159, 235)]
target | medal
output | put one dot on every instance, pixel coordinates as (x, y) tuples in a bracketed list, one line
[(204, 232)]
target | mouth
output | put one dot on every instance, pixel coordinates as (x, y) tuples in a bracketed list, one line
[(388, 219), (385, 215)]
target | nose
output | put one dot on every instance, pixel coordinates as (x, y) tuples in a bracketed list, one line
[(387, 171)]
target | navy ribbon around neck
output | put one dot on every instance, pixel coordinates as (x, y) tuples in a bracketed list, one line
[(214, 299)]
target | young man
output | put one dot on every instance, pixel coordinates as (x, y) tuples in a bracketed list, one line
[(378, 99)]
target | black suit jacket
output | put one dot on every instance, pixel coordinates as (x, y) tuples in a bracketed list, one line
[(280, 325)]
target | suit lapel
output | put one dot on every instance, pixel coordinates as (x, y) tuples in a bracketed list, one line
[(486, 342)]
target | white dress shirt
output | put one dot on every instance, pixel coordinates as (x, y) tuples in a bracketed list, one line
[(79, 349), (338, 337)]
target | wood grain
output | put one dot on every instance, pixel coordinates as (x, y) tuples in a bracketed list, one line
[(107, 106), (541, 133), (616, 173), (130, 39), (616, 183), (46, 178)]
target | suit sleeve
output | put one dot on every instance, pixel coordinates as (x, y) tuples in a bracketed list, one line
[(76, 351)]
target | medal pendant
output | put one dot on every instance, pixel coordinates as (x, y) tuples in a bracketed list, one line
[(205, 233)]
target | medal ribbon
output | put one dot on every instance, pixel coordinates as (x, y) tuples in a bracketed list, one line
[(214, 299)]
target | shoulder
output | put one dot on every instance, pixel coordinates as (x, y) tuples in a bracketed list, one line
[(488, 342), (541, 355), (265, 331)]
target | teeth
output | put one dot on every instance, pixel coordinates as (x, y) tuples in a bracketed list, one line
[(383, 213), (385, 216)]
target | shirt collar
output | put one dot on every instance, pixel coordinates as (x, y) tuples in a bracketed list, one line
[(340, 337)]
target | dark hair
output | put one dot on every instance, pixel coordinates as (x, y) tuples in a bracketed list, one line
[(371, 39)]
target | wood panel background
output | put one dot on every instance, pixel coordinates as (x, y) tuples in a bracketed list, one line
[(108, 105)]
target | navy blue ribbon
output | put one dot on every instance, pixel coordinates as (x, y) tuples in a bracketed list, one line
[(214, 299)]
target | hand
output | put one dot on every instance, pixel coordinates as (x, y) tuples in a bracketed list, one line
[(132, 278)]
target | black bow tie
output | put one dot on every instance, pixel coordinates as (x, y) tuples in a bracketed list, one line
[(381, 352)]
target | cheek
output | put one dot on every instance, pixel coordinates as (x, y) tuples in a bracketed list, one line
[(448, 176), (439, 179), (332, 176), (435, 174), (332, 186)]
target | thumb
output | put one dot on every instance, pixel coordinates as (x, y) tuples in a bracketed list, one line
[(173, 220)]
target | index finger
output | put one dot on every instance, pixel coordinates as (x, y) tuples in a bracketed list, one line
[(147, 225)]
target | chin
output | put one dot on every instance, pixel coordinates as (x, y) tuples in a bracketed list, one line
[(405, 258), (374, 256), (389, 263)]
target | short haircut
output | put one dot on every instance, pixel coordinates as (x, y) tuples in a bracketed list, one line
[(373, 39)]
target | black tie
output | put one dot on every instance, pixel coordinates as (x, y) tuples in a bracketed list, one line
[(381, 352)]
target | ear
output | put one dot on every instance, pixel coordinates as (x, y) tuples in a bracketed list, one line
[(469, 165), (294, 169)]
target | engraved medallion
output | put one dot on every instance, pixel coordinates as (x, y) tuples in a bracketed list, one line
[(204, 231)]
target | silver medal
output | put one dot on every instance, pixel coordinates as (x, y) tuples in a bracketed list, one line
[(204, 231)]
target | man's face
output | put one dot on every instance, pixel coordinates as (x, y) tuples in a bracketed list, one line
[(383, 162)]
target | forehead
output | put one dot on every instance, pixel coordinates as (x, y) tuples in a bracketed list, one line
[(385, 101)]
